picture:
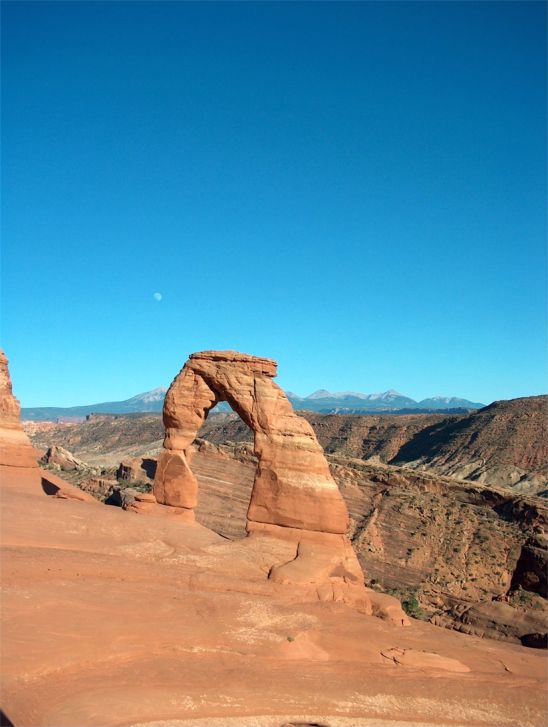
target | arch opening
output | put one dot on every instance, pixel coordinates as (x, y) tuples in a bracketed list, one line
[(225, 466)]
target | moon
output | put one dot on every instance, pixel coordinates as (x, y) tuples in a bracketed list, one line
[(157, 296)]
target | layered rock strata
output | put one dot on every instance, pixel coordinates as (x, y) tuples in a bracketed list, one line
[(15, 447)]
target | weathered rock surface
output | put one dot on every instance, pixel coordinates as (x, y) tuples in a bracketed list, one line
[(424, 659), (15, 447), (54, 486), (532, 566), (498, 619), (113, 619), (449, 547), (503, 445), (103, 441), (101, 488)]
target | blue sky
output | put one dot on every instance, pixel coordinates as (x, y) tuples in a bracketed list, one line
[(355, 189)]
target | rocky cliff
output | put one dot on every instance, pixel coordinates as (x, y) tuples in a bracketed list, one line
[(504, 444), (15, 447)]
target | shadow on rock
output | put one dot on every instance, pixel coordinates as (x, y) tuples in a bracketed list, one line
[(50, 489), (5, 721)]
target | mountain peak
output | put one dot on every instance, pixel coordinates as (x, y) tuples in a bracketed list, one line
[(157, 394), (320, 394)]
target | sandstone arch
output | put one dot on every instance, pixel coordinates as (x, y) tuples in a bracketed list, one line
[(294, 497), (293, 487)]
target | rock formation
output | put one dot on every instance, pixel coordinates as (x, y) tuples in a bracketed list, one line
[(61, 458), (294, 496), (15, 447), (136, 469), (293, 486)]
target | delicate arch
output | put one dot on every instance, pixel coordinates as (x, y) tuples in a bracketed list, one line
[(293, 486)]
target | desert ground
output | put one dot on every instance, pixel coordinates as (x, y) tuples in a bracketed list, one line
[(111, 618)]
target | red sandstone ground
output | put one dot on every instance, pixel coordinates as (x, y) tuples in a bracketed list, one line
[(112, 618)]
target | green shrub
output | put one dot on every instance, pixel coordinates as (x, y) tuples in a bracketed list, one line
[(411, 606)]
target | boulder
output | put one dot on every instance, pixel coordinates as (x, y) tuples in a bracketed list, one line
[(63, 459)]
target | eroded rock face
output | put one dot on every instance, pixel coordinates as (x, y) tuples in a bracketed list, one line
[(15, 447), (293, 486)]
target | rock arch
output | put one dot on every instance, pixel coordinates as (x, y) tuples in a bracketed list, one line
[(293, 486), (294, 496)]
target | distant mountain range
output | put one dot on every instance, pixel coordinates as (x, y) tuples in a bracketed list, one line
[(150, 401), (388, 401), (340, 402)]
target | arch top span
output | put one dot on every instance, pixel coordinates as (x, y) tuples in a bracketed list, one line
[(293, 486), (257, 364)]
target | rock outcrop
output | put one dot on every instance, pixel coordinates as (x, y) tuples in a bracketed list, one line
[(63, 459), (15, 447), (137, 469), (504, 444)]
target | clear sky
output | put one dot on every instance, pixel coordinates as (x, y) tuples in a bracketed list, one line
[(355, 189)]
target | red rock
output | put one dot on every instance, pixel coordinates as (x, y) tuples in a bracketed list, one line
[(15, 447), (424, 660), (145, 497), (293, 486), (54, 486), (110, 619), (388, 608)]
